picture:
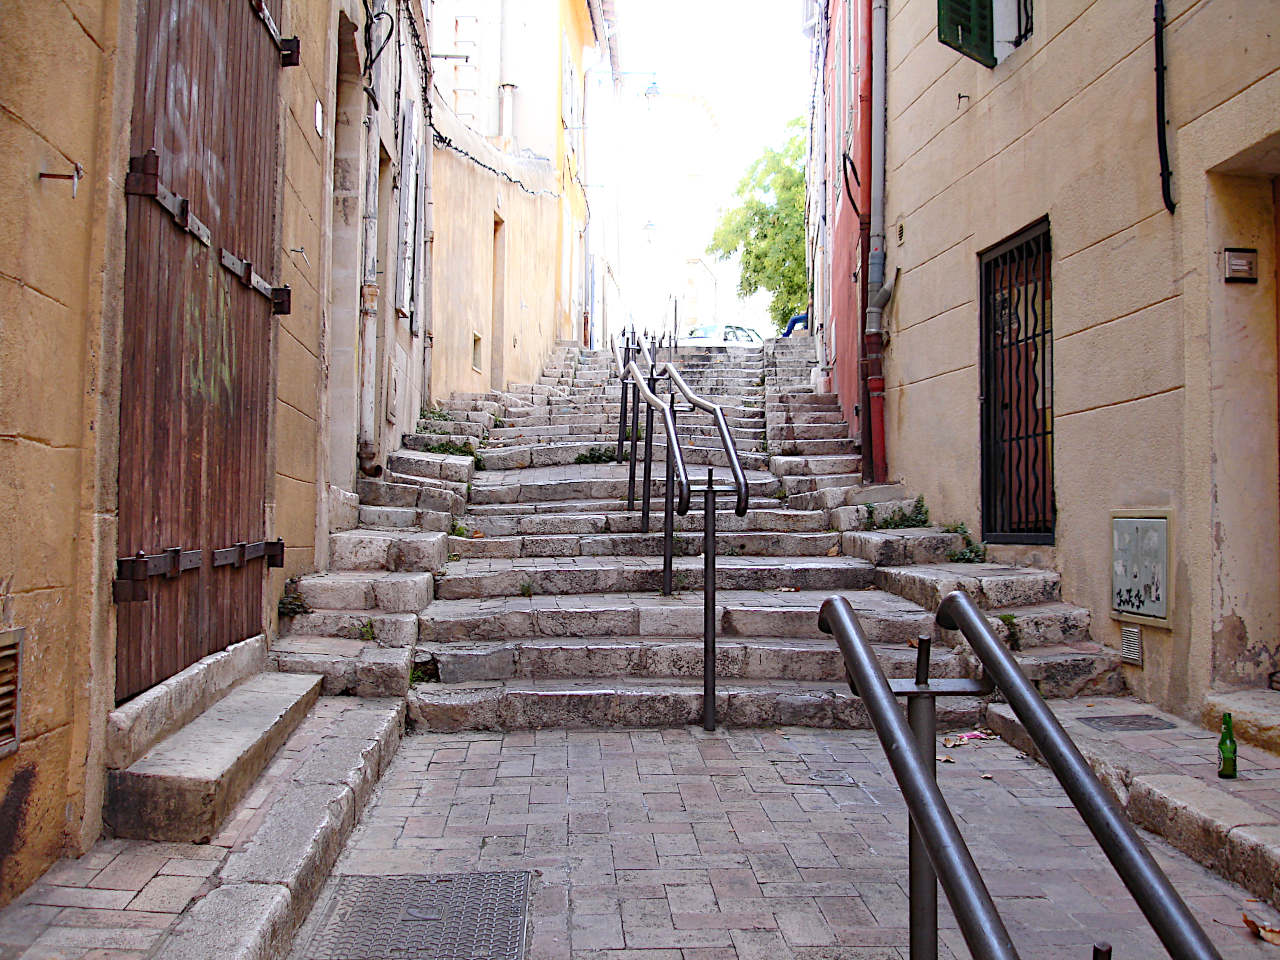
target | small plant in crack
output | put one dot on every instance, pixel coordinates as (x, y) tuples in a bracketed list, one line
[(526, 589), (435, 413), (971, 552), (292, 603), (596, 455), (1013, 635), (899, 519), (427, 671), (367, 633), (458, 530)]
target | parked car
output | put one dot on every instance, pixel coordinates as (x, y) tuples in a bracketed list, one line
[(720, 335)]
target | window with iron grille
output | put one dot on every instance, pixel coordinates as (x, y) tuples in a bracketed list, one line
[(1016, 370), (984, 30)]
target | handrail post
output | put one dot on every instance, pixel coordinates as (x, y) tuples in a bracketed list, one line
[(635, 428), (709, 605), (922, 882), (648, 456), (622, 402), (668, 513)]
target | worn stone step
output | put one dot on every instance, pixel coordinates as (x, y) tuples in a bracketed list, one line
[(856, 496), (910, 545), (436, 466), (385, 493), (367, 590), (561, 454), (183, 788), (610, 506), (1255, 714), (887, 619), (536, 704), (269, 880), (1061, 671), (456, 487), (608, 573), (387, 550), (351, 667), (814, 464), (460, 431), (617, 520), (372, 626), (749, 544), (988, 584), (400, 518), (794, 484), (782, 433), (748, 658), (503, 490)]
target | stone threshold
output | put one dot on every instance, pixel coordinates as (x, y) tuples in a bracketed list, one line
[(1166, 781)]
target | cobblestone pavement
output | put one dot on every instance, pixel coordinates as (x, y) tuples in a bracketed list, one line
[(681, 845)]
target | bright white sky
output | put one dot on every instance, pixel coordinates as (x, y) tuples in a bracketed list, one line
[(731, 73)]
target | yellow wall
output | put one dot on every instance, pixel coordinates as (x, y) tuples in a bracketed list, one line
[(61, 270), (1145, 332)]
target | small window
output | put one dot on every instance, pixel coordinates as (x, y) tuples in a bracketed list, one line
[(477, 352)]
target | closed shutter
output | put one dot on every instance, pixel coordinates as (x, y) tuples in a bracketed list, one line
[(966, 25), (10, 667)]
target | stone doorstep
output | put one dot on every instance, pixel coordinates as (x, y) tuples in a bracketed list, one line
[(135, 727), (270, 880), (1255, 715), (613, 704), (1200, 817), (184, 787)]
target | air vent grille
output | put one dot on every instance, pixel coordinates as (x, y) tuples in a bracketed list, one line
[(10, 667), (1131, 644)]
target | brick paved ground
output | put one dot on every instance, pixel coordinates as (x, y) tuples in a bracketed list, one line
[(680, 845)]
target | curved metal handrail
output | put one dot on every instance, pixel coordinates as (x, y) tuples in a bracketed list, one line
[(726, 438), (633, 373)]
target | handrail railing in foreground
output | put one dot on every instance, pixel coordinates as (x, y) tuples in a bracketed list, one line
[(910, 756), (983, 930), (631, 372), (726, 438), (1150, 888)]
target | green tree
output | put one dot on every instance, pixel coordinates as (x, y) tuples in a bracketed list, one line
[(767, 227)]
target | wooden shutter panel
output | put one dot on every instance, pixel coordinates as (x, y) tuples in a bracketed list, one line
[(966, 26)]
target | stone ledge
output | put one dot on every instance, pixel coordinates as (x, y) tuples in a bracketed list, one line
[(137, 726), (1218, 830), (1255, 715)]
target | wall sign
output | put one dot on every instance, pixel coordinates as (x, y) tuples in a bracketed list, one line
[(1140, 586)]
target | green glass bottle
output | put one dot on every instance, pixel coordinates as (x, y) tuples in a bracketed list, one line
[(1227, 750)]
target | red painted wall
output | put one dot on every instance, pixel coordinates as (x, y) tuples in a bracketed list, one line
[(848, 133)]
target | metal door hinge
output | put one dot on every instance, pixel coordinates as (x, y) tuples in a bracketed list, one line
[(132, 573), (143, 180), (289, 47), (281, 297)]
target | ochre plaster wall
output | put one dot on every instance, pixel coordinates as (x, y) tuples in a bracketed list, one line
[(1065, 127), (60, 275)]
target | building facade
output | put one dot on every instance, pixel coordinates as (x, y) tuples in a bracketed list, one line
[(245, 245), (1080, 210)]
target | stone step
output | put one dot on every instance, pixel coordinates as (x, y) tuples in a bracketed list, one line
[(988, 584), (604, 417), (699, 451), (620, 521), (836, 498), (614, 704), (604, 430), (456, 487), (370, 626), (810, 449), (399, 518), (805, 417), (1255, 715), (473, 578), (584, 488), (359, 668), (387, 550), (815, 464), (459, 430), (183, 788), (1062, 671), (619, 505), (748, 543), (387, 493), (900, 547), (887, 619), (794, 484), (782, 433), (743, 658), (367, 590)]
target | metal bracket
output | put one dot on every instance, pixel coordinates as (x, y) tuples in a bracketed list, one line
[(290, 48), (143, 180), (132, 573), (281, 297), (241, 553)]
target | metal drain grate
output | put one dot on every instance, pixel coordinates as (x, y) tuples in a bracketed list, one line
[(460, 916), (1127, 722)]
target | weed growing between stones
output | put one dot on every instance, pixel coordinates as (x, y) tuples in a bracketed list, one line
[(435, 413), (292, 603), (454, 558), (596, 455), (366, 632), (526, 589), (899, 519), (426, 672), (458, 530), (1013, 636), (971, 552)]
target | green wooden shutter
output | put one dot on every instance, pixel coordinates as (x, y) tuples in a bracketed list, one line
[(966, 26)]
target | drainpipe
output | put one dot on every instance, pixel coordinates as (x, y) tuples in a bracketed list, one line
[(877, 292), (367, 439)]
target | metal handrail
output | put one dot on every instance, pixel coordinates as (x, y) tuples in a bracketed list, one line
[(980, 924), (722, 427), (1146, 882), (631, 372)]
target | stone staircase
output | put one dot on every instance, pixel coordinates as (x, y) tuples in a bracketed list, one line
[(525, 594)]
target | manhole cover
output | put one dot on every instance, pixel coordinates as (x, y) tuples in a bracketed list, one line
[(1128, 722), (461, 916)]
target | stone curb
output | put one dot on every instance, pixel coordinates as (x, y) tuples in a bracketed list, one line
[(267, 887), (1214, 828)]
